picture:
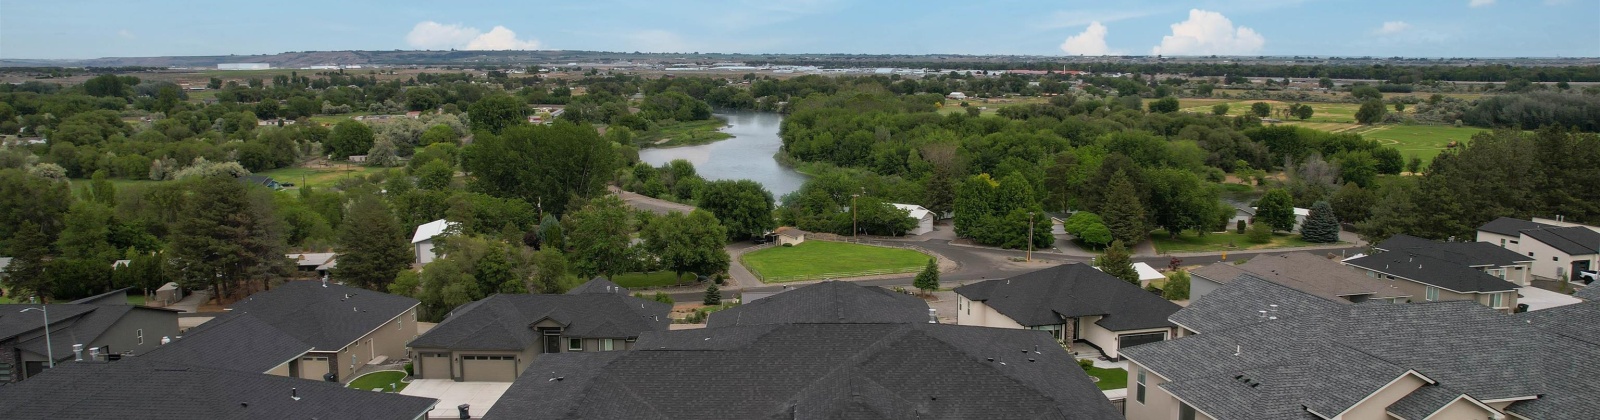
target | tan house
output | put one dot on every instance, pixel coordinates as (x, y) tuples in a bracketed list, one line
[(1428, 279), (1301, 271), (1072, 302), (496, 338), (1489, 258), (1557, 249), (346, 327), (789, 235)]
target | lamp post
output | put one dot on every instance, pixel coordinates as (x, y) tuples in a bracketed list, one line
[(855, 227), (49, 351), (1030, 236)]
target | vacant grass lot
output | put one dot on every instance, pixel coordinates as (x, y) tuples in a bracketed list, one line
[(814, 260), (1188, 241), (317, 177), (1423, 141), (1114, 378), (654, 279), (381, 379)]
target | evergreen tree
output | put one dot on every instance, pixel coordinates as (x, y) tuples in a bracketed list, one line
[(25, 275), (550, 234), (372, 245), (87, 232), (224, 237), (928, 279), (1321, 226), (1118, 263), (1123, 213), (713, 296), (1276, 209)]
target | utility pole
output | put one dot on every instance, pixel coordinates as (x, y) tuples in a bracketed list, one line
[(855, 227), (1030, 236), (49, 350)]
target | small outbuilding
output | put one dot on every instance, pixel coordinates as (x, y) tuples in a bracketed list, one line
[(789, 235), (423, 241), (1147, 274), (923, 216)]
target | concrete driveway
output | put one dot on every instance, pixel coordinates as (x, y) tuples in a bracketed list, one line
[(481, 395)]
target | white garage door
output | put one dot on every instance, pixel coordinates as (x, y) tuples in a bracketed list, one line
[(489, 368)]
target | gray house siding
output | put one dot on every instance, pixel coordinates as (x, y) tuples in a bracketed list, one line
[(124, 335)]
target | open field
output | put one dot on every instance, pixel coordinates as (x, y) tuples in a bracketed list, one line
[(320, 177), (814, 260), (653, 279), (990, 105), (1188, 241), (1423, 141)]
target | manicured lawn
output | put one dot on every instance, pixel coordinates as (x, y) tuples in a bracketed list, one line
[(818, 259), (380, 380), (687, 133), (1114, 378), (656, 279), (1215, 242), (317, 177), (1423, 141)]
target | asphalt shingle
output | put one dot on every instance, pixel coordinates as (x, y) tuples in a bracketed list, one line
[(504, 322), (327, 316), (1045, 297), (236, 341), (1432, 271), (826, 302)]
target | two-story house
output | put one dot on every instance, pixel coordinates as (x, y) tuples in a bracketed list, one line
[(86, 330), (1497, 261), (494, 339), (1428, 279), (1558, 249)]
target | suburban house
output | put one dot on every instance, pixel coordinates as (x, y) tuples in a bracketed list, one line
[(4, 262), (1559, 249), (346, 327), (1434, 360), (815, 367), (1482, 256), (1301, 271), (789, 235), (422, 242), (237, 341), (1247, 300), (1073, 302), (1428, 279), (922, 215), (157, 390), (496, 338), (317, 263), (78, 332), (828, 301)]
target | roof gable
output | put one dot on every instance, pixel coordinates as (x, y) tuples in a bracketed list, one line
[(510, 321), (1045, 297), (1434, 272), (327, 316)]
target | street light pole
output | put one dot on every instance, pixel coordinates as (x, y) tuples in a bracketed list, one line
[(1030, 236), (49, 351), (855, 227)]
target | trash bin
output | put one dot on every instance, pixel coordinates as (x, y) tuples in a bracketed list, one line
[(464, 413), (330, 377)]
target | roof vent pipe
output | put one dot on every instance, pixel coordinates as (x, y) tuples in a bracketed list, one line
[(94, 354), (933, 316), (1238, 350), (77, 352), (294, 393)]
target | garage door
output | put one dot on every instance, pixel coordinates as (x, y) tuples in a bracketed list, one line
[(313, 367), (488, 368), (435, 366), (1130, 340)]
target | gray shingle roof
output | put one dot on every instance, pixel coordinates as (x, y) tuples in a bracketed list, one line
[(233, 342), (1045, 297), (70, 324), (1433, 271), (1574, 240), (14, 322), (1424, 402), (329, 316), (1591, 293), (813, 371), (825, 302), (505, 322), (1471, 254), (152, 390), (1510, 226), (1305, 272), (1239, 303), (1327, 360)]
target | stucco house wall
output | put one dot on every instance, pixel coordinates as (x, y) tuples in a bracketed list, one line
[(1157, 404), (1504, 241), (1419, 292), (1106, 339), (977, 313), (388, 340), (1376, 405), (1550, 263)]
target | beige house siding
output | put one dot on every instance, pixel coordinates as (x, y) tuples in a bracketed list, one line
[(1550, 263), (281, 370), (1157, 404), (1507, 242), (388, 340), (977, 313), (1106, 339), (426, 369), (1419, 292), (1461, 408), (1376, 406)]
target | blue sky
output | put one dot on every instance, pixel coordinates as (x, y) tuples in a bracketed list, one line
[(1413, 28)]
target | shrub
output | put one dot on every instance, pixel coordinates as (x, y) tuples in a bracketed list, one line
[(1240, 227), (1085, 364), (1177, 287), (1260, 233), (409, 371), (787, 245)]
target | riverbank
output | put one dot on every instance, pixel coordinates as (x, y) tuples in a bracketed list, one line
[(687, 133)]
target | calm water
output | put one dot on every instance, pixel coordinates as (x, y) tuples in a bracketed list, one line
[(748, 155)]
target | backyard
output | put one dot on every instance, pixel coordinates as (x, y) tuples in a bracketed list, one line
[(1189, 241), (1112, 378), (814, 260), (651, 279), (380, 379)]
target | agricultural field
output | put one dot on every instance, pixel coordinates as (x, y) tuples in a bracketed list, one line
[(990, 105)]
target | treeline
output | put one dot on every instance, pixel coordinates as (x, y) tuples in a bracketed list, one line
[(1393, 73)]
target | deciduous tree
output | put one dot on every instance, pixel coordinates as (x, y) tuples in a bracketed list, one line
[(1276, 209)]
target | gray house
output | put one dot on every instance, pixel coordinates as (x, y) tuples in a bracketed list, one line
[(496, 338), (828, 301), (1074, 303), (346, 327), (1298, 270), (1489, 258), (104, 332)]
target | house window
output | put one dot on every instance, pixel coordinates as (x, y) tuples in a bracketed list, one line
[(1502, 242), (1432, 294), (139, 334), (1496, 300), (574, 344), (607, 345), (1555, 258), (1139, 392), (1185, 412), (1530, 253)]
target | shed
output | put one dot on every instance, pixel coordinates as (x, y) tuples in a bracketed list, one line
[(168, 294), (1147, 274), (789, 235), (422, 242), (923, 216)]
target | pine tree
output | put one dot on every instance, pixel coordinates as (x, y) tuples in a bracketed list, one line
[(1123, 213), (372, 246), (1118, 263), (713, 296), (928, 279), (1321, 226), (25, 275)]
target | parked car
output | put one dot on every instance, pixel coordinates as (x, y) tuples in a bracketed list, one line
[(1588, 277)]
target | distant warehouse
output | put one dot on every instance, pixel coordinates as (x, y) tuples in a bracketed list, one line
[(244, 66)]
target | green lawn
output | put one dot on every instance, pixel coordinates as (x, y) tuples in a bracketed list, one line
[(687, 133), (656, 279), (1423, 141), (1114, 378), (380, 379), (136, 299), (814, 260), (317, 177), (1188, 241)]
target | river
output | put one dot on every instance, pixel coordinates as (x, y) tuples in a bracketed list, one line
[(748, 155)]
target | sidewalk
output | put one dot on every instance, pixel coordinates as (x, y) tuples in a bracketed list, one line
[(192, 302)]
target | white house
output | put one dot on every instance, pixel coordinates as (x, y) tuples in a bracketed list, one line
[(422, 241), (923, 216), (957, 96)]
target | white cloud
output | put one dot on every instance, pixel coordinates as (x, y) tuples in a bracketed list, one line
[(1392, 27), (125, 34), (1092, 41), (501, 38), (435, 35), (1209, 33), (1480, 3)]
